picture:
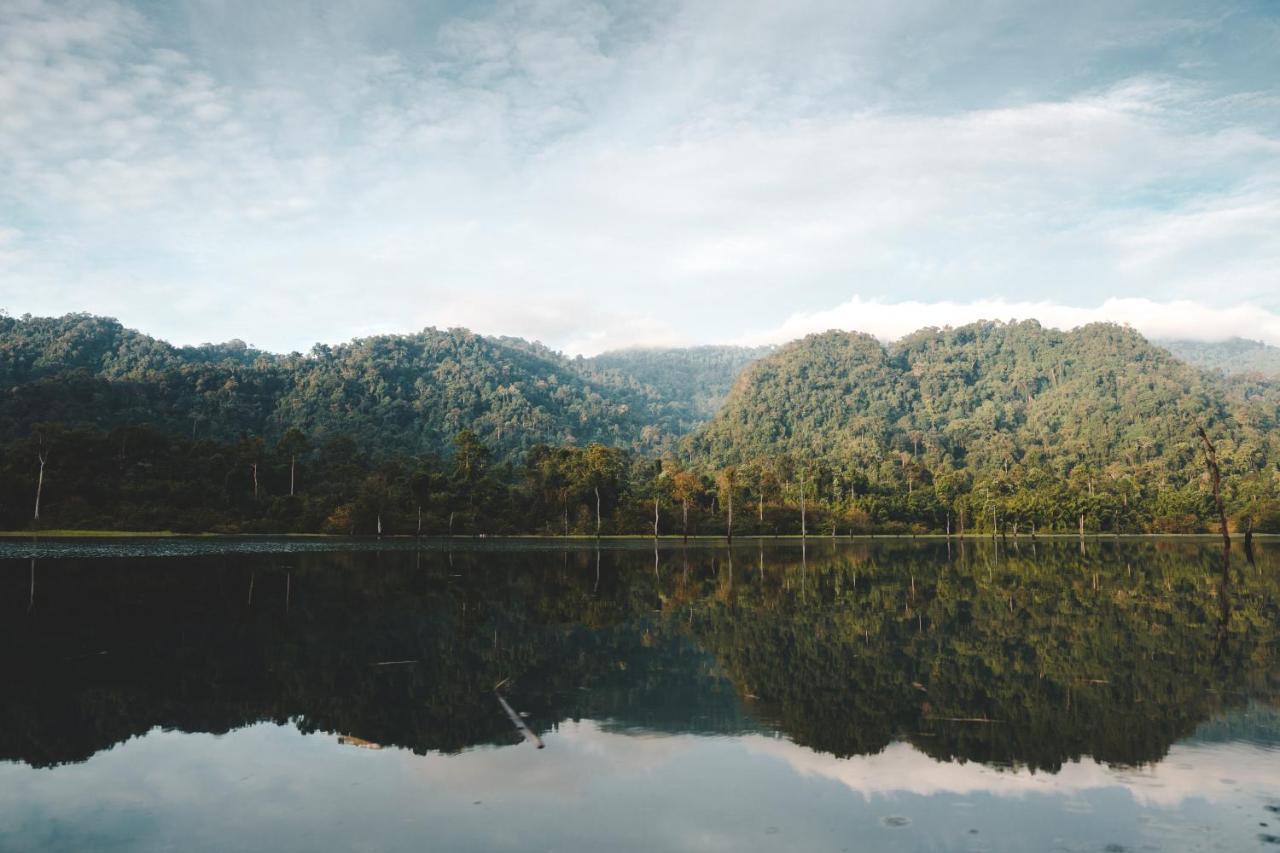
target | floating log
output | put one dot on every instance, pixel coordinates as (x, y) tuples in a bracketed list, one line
[(519, 723)]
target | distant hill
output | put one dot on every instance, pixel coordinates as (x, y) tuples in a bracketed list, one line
[(1233, 356), (694, 378)]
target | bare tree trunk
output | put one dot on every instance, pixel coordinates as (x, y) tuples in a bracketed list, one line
[(566, 514), (655, 516), (254, 466), (293, 464), (685, 507), (1082, 525), (803, 530), (762, 507), (1215, 475), (419, 519), (597, 488), (729, 504), (43, 457), (379, 525), (451, 514), (948, 525)]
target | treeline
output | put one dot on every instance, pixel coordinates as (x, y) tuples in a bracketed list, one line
[(999, 424), (138, 478), (397, 394), (990, 426)]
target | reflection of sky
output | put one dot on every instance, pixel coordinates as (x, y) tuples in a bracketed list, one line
[(267, 787)]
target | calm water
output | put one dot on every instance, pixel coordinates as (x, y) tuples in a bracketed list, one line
[(270, 695)]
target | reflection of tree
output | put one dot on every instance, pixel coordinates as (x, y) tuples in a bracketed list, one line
[(1110, 654), (1097, 658)]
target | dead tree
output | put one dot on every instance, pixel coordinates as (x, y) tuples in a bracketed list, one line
[(43, 455), (1215, 477)]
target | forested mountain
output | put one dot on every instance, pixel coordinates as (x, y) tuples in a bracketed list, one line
[(987, 426), (391, 393), (1030, 422), (1233, 356)]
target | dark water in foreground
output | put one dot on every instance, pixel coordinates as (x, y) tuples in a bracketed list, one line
[(850, 696)]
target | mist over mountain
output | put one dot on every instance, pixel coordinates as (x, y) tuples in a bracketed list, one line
[(1232, 356)]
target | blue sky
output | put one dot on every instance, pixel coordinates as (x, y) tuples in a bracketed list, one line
[(597, 174)]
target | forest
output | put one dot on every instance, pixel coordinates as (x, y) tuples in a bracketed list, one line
[(990, 427)]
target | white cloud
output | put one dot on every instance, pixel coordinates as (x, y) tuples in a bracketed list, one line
[(1175, 320), (597, 176)]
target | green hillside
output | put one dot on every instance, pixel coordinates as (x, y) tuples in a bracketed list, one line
[(1032, 422), (392, 393), (987, 426)]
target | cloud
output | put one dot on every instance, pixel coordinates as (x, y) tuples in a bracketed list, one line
[(597, 175), (1175, 320)]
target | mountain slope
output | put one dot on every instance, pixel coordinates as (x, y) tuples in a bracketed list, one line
[(391, 393), (1005, 402)]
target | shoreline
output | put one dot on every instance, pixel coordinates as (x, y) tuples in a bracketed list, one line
[(617, 537)]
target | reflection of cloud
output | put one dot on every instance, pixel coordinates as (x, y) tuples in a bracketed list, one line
[(593, 789), (1208, 772), (578, 753)]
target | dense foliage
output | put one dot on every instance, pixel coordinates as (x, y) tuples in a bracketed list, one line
[(988, 426), (999, 424), (392, 393)]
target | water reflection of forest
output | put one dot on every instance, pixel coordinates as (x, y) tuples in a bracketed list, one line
[(1028, 654)]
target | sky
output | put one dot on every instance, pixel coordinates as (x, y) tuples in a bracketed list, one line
[(606, 174)]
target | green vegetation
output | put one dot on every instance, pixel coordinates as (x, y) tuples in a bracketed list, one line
[(1008, 427), (994, 425)]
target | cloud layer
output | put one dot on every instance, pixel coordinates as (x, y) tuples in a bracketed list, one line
[(1177, 320), (597, 174)]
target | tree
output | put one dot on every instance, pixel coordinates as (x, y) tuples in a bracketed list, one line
[(685, 486), (292, 444), (42, 455), (470, 462), (726, 482)]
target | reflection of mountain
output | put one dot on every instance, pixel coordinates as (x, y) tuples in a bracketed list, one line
[(1114, 654), (1255, 723), (1005, 658)]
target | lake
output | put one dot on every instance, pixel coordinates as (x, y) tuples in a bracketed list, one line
[(846, 695)]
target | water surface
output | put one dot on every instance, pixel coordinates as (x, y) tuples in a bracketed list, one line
[(865, 695)]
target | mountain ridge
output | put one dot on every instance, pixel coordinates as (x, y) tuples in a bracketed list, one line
[(977, 425)]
